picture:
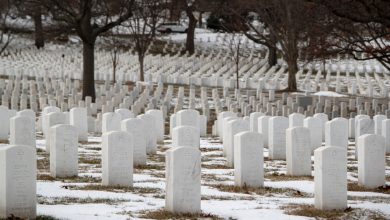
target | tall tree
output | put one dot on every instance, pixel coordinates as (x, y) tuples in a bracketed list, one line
[(90, 18)]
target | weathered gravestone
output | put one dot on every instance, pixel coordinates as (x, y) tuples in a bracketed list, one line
[(183, 180)]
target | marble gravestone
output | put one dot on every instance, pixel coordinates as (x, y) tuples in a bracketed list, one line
[(295, 120), (117, 159), (150, 133), (63, 151), (336, 133), (18, 173), (188, 117), (248, 159), (372, 161), (52, 118), (277, 137), (186, 136), (22, 131), (159, 123), (78, 118), (330, 178), (386, 134), (111, 121), (233, 127), (298, 151), (253, 120), (324, 118), (183, 169), (136, 127), (315, 127), (262, 128)]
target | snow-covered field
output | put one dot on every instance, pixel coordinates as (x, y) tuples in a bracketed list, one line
[(282, 197)]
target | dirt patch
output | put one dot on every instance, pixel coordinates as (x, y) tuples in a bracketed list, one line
[(75, 200), (215, 166)]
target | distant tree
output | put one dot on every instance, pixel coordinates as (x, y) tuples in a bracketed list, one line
[(5, 32), (89, 19), (33, 8)]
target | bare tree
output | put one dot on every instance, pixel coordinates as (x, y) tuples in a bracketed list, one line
[(141, 26), (90, 18), (235, 44), (5, 32), (360, 27)]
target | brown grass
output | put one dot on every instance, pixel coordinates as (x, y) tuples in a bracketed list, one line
[(215, 166), (149, 167), (121, 189), (89, 160), (282, 177), (310, 211), (4, 142), (75, 200), (89, 143), (354, 186), (163, 214), (73, 179), (264, 191), (348, 213), (43, 164)]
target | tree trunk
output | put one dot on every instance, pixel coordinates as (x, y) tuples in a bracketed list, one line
[(88, 70), (39, 37), (237, 77), (272, 56), (292, 71), (141, 68), (190, 45)]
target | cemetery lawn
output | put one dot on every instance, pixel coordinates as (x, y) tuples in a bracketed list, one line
[(282, 197)]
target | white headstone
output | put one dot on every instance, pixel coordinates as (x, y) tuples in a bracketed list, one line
[(111, 121), (183, 180), (372, 161), (330, 178), (186, 136), (295, 120), (298, 151), (324, 118), (159, 123), (188, 117), (46, 110), (336, 133), (315, 127), (78, 118), (22, 131), (150, 131), (63, 151), (386, 133), (248, 159), (5, 119), (18, 173), (172, 123), (233, 127), (203, 125), (277, 137), (220, 118), (378, 123), (125, 113), (136, 127), (262, 128), (52, 118), (117, 159), (253, 120)]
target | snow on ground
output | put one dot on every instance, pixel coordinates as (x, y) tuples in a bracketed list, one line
[(84, 198)]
